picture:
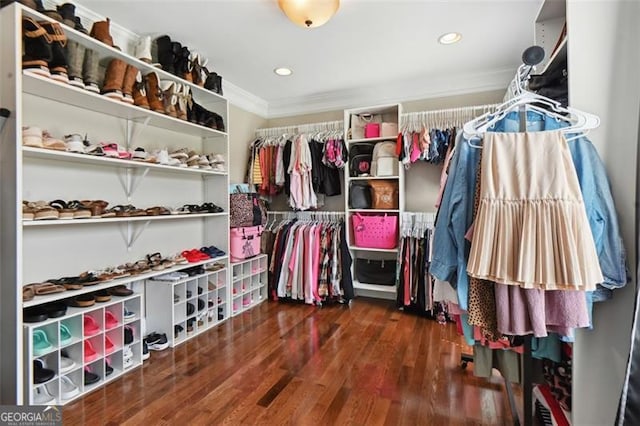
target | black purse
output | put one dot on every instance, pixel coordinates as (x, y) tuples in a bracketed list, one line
[(380, 272), (360, 156), (360, 196)]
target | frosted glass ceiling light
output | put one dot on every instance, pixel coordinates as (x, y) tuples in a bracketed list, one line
[(309, 13), (450, 38)]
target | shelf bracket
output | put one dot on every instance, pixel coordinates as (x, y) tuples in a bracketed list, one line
[(130, 180), (131, 130), (132, 231)]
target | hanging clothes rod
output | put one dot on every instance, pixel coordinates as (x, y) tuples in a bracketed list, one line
[(448, 117), (337, 125)]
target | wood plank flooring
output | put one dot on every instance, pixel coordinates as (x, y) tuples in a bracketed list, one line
[(279, 364)]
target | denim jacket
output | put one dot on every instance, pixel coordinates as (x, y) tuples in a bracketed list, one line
[(451, 250)]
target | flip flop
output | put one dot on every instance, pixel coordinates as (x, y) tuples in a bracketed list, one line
[(91, 327), (27, 292), (41, 343), (47, 288), (65, 335)]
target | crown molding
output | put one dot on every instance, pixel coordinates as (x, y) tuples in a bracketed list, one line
[(245, 100), (407, 90)]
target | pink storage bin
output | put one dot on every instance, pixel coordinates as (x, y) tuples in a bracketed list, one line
[(375, 231), (372, 130), (245, 242)]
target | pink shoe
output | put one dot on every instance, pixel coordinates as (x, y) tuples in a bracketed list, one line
[(116, 151), (110, 320), (91, 327), (89, 353)]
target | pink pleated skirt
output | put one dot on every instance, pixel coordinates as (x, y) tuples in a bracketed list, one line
[(531, 228)]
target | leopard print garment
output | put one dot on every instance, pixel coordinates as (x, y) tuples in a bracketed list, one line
[(482, 301)]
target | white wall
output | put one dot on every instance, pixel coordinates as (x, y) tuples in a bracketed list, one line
[(242, 125), (604, 60)]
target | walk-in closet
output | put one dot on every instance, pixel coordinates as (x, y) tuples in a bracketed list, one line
[(319, 212)]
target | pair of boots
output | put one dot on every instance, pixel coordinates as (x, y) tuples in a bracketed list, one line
[(120, 82), (173, 57), (47, 51), (202, 116)]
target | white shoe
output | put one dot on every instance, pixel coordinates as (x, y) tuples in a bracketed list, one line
[(74, 143), (127, 356), (66, 364), (41, 396), (68, 389), (143, 49)]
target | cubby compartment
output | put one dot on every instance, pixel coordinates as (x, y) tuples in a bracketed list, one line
[(115, 362), (113, 341), (93, 348), (131, 333), (196, 309), (113, 317), (70, 330), (46, 394), (71, 385), (92, 323), (89, 374), (251, 288), (45, 368), (132, 310), (74, 358), (44, 340)]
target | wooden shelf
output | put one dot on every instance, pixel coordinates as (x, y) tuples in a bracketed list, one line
[(50, 154), (63, 222)]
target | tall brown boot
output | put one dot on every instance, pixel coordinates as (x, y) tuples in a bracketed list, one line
[(100, 31), (169, 97), (131, 76), (113, 79), (154, 93), (58, 63), (140, 93)]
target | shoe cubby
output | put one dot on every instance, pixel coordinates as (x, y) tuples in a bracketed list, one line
[(71, 351), (185, 322), (249, 284), (46, 394), (97, 368), (115, 362)]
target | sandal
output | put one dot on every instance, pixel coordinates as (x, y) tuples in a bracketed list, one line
[(80, 210), (82, 301), (211, 208), (28, 292), (97, 207), (116, 151), (157, 211), (49, 142), (64, 212), (47, 288), (28, 213), (42, 211), (120, 291)]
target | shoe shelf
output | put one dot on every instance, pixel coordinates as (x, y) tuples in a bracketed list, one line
[(249, 284), (48, 88), (196, 304), (105, 51), (39, 300), (72, 157), (58, 222), (81, 341)]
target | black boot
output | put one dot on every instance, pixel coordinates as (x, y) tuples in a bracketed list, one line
[(219, 84), (162, 54), (183, 64), (58, 63), (176, 51), (37, 48), (219, 122), (68, 13)]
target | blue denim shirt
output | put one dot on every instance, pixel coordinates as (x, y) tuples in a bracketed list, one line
[(455, 215)]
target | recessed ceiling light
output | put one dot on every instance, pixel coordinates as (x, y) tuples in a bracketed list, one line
[(283, 71), (450, 38)]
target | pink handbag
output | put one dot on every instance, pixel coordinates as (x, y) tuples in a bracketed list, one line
[(372, 130), (375, 231), (245, 242)]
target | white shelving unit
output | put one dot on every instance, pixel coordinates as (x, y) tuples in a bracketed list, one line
[(34, 251), (88, 350), (196, 304), (248, 284), (389, 113)]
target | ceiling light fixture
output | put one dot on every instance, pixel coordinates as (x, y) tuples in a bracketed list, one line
[(450, 38), (282, 71), (309, 13)]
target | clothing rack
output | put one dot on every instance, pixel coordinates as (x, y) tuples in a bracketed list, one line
[(337, 126), (283, 215), (443, 118)]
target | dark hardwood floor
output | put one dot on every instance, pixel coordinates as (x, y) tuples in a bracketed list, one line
[(278, 364)]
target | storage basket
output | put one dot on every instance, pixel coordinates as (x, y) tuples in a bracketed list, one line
[(375, 231), (245, 242)]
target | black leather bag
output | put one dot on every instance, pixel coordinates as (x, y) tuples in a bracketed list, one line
[(360, 156), (360, 196), (380, 272)]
